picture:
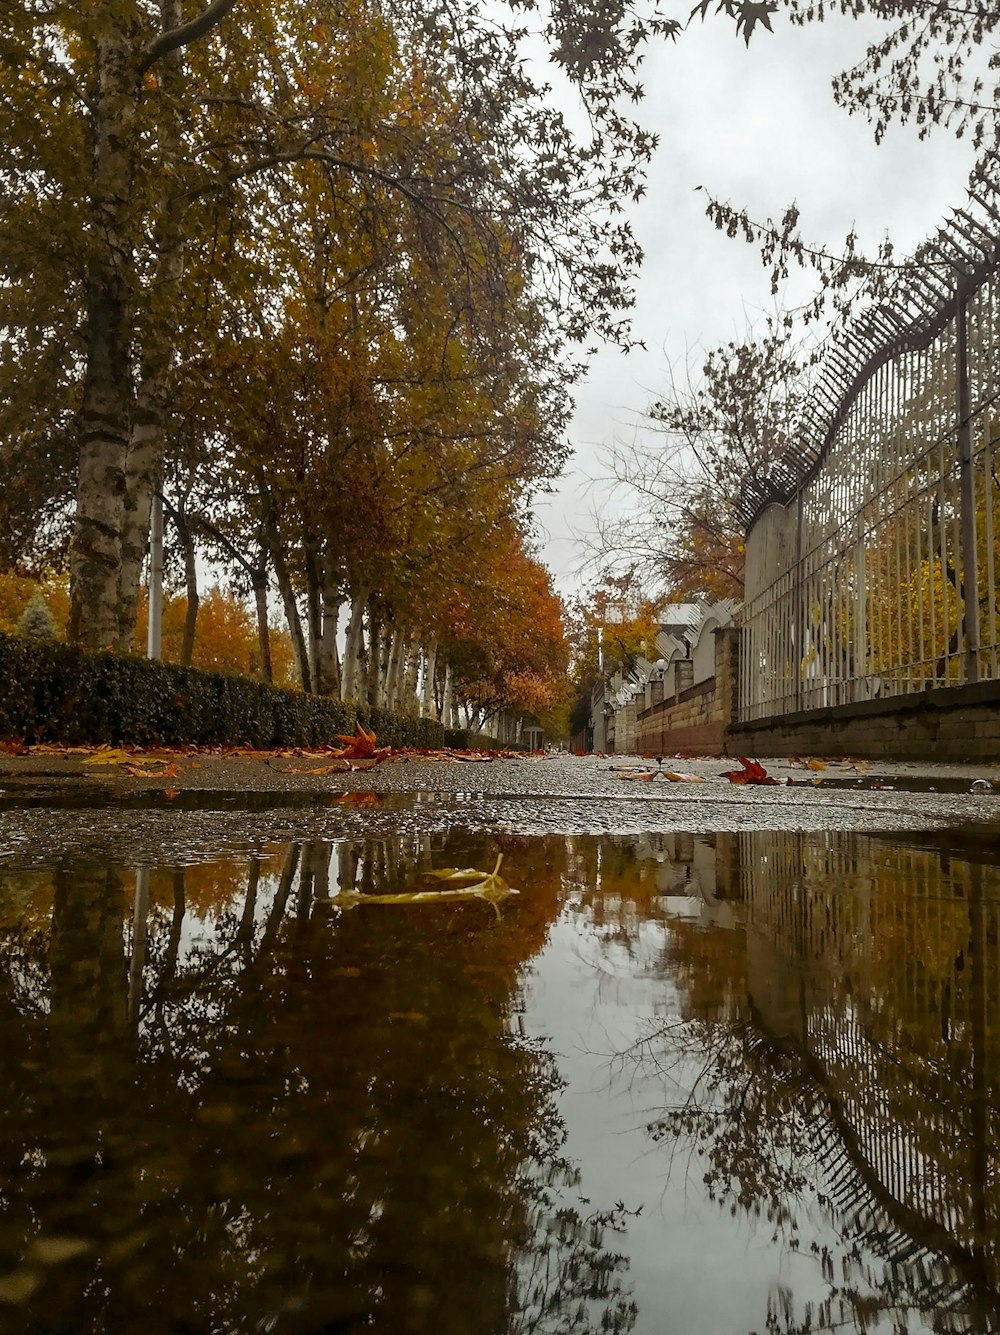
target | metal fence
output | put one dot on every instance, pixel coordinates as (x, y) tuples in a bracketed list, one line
[(872, 551), (892, 960)]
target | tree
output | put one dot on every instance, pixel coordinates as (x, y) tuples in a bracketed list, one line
[(152, 137), (722, 438), (611, 627), (928, 68), (502, 633), (35, 622)]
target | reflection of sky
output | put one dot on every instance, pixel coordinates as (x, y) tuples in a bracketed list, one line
[(695, 1269), (603, 981)]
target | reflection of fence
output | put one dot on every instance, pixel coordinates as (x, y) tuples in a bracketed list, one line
[(872, 553), (887, 961)]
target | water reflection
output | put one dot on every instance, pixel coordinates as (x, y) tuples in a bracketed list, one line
[(225, 1110), (227, 1106), (834, 1062)]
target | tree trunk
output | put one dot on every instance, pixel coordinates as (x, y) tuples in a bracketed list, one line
[(328, 669), (397, 668), (105, 420), (428, 706), (284, 579), (191, 588), (314, 606), (143, 473), (147, 444), (123, 52), (354, 644), (447, 707), (376, 653), (258, 579), (410, 701)]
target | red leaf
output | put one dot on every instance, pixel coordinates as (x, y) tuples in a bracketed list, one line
[(752, 772)]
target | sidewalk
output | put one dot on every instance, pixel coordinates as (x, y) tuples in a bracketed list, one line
[(165, 770)]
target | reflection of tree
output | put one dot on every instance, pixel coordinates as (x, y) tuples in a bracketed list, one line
[(328, 1122), (851, 1097)]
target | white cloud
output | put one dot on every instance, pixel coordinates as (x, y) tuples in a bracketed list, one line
[(757, 127)]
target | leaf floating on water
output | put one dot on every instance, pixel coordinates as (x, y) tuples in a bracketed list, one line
[(466, 873), (489, 886)]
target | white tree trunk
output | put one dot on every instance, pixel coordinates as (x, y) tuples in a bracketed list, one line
[(327, 658), (428, 703), (447, 707), (410, 701), (392, 676), (355, 642)]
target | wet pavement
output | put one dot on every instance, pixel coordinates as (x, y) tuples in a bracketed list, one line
[(728, 1063), (57, 806)]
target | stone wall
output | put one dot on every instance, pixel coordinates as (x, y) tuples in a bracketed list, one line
[(953, 723), (693, 717)]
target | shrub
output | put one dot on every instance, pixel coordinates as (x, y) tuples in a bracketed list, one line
[(56, 693), (35, 622)]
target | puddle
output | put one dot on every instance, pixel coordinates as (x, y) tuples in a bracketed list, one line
[(680, 1085)]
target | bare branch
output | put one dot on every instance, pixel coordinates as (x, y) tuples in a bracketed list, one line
[(187, 33)]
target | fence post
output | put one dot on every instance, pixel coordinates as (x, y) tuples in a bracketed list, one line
[(801, 613), (970, 566)]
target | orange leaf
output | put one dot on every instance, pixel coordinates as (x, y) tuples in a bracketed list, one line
[(752, 772), (359, 747)]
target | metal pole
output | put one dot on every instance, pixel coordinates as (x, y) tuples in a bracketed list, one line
[(970, 563), (154, 634)]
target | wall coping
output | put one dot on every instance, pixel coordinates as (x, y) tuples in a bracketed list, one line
[(937, 697)]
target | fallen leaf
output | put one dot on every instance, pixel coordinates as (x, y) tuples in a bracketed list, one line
[(359, 747), (139, 772), (683, 778), (753, 772), (171, 793), (815, 764)]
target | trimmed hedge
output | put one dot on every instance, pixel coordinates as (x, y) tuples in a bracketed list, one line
[(56, 693)]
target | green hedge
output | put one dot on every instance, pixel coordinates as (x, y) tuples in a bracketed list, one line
[(55, 693)]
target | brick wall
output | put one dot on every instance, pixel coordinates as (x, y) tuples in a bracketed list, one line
[(953, 723), (694, 718)]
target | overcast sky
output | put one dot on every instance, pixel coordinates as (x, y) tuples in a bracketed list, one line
[(757, 127)]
